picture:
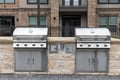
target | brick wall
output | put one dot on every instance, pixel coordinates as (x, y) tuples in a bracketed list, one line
[(54, 4), (92, 13), (10, 6)]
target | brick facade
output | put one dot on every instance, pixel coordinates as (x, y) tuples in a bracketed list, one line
[(92, 13)]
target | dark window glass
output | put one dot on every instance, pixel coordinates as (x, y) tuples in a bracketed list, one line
[(35, 1), (7, 1), (33, 20), (109, 22), (108, 1), (1, 1), (43, 1), (32, 1), (103, 1), (113, 1)]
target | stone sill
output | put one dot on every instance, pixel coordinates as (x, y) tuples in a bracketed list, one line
[(6, 40), (9, 40)]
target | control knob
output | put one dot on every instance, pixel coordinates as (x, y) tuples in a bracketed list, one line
[(81, 45), (105, 45), (25, 44), (97, 45), (41, 45), (17, 44), (33, 44), (89, 45)]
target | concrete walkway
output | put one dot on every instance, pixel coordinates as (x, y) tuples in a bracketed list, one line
[(58, 77)]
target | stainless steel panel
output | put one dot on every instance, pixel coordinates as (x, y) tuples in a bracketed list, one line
[(30, 45), (92, 32), (102, 60), (93, 45), (36, 60), (44, 60), (84, 61), (30, 31), (22, 60)]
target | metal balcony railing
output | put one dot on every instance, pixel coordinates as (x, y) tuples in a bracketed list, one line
[(6, 30), (58, 31)]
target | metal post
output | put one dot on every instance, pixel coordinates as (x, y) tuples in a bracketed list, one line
[(38, 16)]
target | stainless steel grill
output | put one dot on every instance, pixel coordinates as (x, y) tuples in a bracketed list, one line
[(30, 49), (92, 49), (93, 38), (30, 38)]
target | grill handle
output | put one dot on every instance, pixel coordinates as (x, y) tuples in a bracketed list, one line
[(28, 61), (93, 61), (33, 61), (89, 61)]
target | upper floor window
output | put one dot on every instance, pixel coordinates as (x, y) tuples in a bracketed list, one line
[(71, 2), (76, 3), (35, 1), (7, 1), (108, 1), (67, 2), (33, 20)]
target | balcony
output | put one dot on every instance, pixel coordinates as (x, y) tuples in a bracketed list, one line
[(73, 6), (6, 30)]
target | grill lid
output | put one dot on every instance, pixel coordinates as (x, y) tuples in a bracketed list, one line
[(30, 31), (92, 32)]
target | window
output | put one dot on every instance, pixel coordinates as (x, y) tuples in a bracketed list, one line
[(109, 22), (35, 1), (33, 20), (108, 1), (114, 1), (1, 1), (67, 2), (71, 2), (103, 1), (32, 1), (7, 1), (76, 3), (42, 20)]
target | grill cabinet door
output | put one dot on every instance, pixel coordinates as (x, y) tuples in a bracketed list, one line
[(22, 60), (102, 60), (36, 60), (84, 60)]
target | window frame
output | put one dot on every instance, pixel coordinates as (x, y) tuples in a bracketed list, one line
[(7, 3), (108, 2), (37, 21), (36, 2)]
